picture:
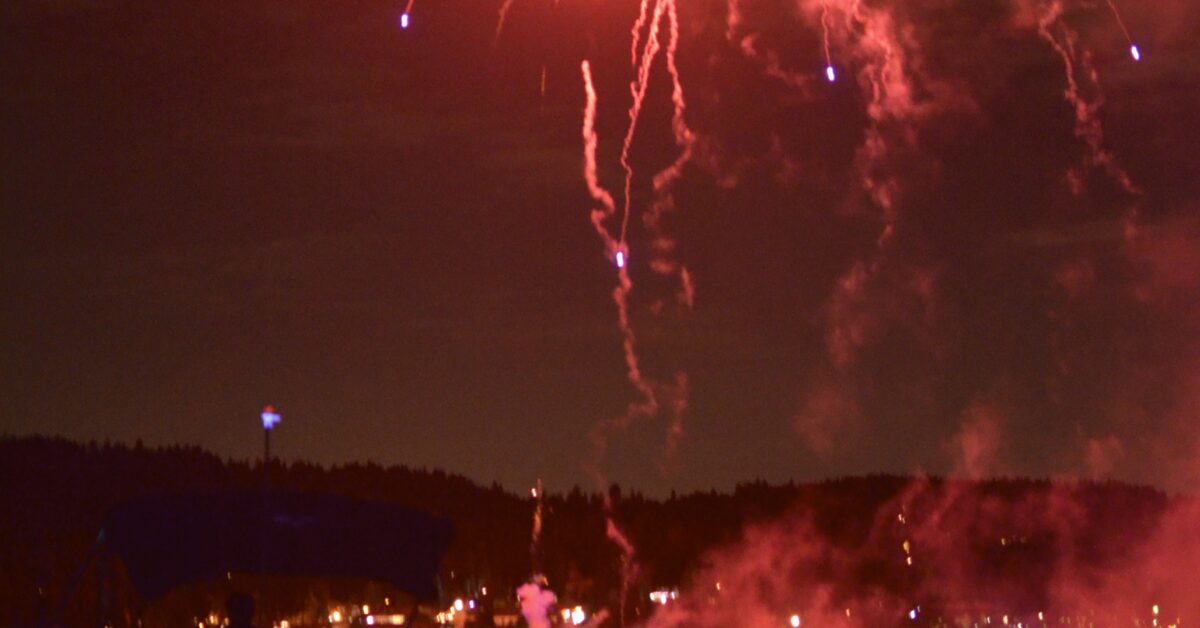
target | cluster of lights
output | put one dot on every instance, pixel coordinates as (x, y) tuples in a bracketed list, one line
[(573, 616), (1008, 620), (662, 596), (459, 606), (395, 619)]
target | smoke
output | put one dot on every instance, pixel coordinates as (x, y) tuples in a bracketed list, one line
[(976, 447), (827, 408), (970, 262), (959, 551), (536, 604)]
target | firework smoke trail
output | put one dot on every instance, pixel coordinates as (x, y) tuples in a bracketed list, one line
[(647, 405), (636, 32), (535, 540), (1133, 49), (504, 8), (684, 138), (829, 71), (891, 111), (733, 19), (606, 209), (664, 201), (1087, 112), (638, 89)]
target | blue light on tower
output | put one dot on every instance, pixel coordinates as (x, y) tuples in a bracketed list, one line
[(270, 417)]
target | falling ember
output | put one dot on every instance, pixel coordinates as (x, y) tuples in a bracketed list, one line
[(1134, 52), (620, 259), (404, 17), (830, 74)]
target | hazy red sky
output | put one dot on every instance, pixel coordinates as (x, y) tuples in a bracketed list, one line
[(385, 234)]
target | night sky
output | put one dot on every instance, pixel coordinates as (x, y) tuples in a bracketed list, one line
[(212, 206)]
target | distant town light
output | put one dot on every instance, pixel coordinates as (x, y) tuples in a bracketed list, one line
[(458, 605), (577, 616), (662, 596)]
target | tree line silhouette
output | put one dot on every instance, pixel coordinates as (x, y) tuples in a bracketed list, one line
[(56, 493)]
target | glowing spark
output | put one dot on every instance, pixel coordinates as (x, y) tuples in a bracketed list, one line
[(830, 74), (620, 259), (404, 17), (1134, 52)]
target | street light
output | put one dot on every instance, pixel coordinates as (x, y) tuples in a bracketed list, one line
[(269, 418)]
